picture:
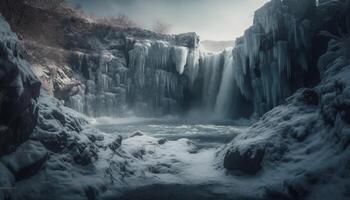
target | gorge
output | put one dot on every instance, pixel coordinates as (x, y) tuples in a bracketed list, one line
[(94, 111)]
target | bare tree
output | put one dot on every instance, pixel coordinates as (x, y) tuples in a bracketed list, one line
[(121, 20), (161, 27)]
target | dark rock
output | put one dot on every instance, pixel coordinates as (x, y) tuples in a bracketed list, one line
[(310, 96), (248, 162), (342, 105), (19, 89), (6, 177), (56, 142), (91, 193), (139, 153), (162, 141), (114, 146), (5, 136), (59, 116), (85, 154)]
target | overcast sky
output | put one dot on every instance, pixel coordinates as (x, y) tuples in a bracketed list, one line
[(211, 19)]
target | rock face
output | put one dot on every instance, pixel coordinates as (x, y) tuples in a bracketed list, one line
[(305, 139), (18, 92), (100, 70)]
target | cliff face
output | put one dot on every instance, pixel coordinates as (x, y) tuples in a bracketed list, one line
[(297, 149), (102, 70), (18, 92)]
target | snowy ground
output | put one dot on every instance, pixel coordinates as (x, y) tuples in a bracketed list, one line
[(178, 159)]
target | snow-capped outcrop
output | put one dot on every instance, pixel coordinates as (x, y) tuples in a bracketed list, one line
[(18, 92)]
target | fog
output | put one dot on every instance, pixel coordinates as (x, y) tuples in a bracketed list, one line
[(211, 19)]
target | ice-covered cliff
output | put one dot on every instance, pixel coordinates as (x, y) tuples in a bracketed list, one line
[(101, 70), (300, 149)]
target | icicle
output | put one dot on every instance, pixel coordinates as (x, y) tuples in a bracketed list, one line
[(137, 62), (281, 54)]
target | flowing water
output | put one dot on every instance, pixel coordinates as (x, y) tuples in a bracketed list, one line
[(184, 167)]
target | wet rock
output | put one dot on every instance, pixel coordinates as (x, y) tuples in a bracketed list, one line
[(248, 162)]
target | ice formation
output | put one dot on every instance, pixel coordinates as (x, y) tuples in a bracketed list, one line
[(304, 141), (263, 67)]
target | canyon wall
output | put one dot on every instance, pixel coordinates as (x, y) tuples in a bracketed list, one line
[(101, 70)]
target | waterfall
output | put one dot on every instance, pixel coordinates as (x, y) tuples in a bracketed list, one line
[(224, 97), (212, 66)]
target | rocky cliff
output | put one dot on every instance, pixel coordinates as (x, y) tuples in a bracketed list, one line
[(300, 150), (102, 70), (18, 92)]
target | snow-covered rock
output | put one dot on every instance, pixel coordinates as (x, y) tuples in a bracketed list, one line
[(18, 93), (299, 150)]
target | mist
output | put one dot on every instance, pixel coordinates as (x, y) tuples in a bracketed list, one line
[(212, 20)]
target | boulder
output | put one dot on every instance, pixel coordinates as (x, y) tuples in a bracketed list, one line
[(247, 162)]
